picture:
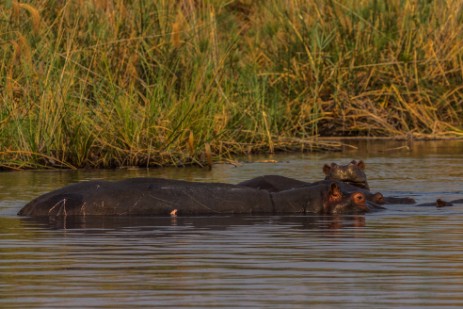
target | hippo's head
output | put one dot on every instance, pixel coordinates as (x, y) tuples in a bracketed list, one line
[(352, 173), (338, 202)]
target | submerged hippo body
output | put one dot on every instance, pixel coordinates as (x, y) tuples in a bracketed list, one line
[(146, 197), (155, 196), (441, 203), (274, 183)]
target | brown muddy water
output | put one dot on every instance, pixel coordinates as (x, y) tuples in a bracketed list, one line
[(404, 257)]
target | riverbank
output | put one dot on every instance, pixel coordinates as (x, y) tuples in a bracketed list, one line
[(103, 84)]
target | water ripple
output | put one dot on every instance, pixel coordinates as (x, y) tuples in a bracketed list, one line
[(398, 261)]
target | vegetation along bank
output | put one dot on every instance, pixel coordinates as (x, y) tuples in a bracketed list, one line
[(99, 83)]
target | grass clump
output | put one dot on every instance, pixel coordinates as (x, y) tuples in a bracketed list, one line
[(97, 83)]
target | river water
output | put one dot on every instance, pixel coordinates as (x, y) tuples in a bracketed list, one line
[(407, 256)]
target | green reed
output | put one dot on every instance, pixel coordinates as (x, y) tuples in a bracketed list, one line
[(98, 83)]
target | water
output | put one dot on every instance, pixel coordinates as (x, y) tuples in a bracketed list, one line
[(404, 257)]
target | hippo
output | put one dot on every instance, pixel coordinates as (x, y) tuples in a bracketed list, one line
[(353, 176), (441, 203), (350, 178), (352, 173), (277, 183), (165, 197)]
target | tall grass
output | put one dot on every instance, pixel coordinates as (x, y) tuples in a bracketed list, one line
[(98, 83)]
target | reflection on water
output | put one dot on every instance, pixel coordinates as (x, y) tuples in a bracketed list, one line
[(406, 256), (200, 222)]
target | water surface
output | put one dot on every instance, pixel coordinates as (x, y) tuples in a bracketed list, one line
[(404, 257)]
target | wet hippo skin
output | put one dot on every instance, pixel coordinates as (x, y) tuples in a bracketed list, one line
[(441, 203), (156, 196), (350, 178), (352, 173), (277, 183)]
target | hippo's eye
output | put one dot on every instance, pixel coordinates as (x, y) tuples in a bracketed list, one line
[(359, 198)]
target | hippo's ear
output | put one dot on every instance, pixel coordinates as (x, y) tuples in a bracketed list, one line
[(334, 189), (361, 165), (326, 169)]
